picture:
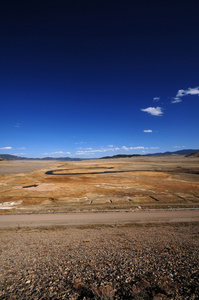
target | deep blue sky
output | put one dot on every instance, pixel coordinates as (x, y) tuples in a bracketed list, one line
[(79, 78)]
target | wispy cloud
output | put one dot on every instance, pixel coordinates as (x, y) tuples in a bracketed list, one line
[(179, 147), (132, 148), (154, 148), (17, 125), (125, 148), (154, 111), (93, 151), (156, 99), (176, 100), (148, 130), (110, 149), (182, 93), (80, 143), (6, 148), (21, 148), (57, 153)]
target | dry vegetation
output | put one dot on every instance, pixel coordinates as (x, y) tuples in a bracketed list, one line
[(158, 182)]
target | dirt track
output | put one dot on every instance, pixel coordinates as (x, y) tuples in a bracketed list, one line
[(108, 218)]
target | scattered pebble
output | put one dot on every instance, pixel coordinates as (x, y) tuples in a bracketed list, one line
[(135, 262)]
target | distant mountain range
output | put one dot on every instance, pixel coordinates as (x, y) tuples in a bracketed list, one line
[(14, 157), (186, 152), (179, 152)]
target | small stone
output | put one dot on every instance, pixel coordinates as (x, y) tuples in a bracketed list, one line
[(28, 281)]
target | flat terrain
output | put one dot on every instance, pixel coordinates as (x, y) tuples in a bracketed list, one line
[(100, 229), (23, 166), (98, 185), (99, 218), (134, 262)]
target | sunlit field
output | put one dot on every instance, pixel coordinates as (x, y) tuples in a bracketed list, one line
[(103, 184)]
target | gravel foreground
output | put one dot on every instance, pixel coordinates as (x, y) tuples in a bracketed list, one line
[(125, 262)]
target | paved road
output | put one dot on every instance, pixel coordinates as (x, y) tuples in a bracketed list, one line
[(91, 218)]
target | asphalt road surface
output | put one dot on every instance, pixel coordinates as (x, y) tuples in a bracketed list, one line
[(97, 218)]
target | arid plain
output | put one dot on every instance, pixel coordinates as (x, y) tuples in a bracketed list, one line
[(103, 184), (157, 260)]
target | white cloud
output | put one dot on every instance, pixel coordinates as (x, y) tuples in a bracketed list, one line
[(57, 153), (104, 150), (147, 130), (87, 152), (182, 93), (176, 100), (90, 151), (21, 148), (156, 98), (154, 111), (125, 148), (80, 143), (132, 148), (137, 148), (5, 148), (179, 147), (110, 146), (17, 125), (189, 91)]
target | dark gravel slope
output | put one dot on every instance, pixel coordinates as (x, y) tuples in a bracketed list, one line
[(137, 262)]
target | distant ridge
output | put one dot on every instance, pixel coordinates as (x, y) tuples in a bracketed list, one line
[(120, 156), (11, 157), (14, 157), (186, 152), (195, 154), (179, 152)]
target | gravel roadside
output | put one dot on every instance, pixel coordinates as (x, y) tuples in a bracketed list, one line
[(126, 262)]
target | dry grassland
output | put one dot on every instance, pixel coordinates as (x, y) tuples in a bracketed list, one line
[(147, 182)]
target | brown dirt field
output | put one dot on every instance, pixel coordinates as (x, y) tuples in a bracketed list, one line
[(146, 182)]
